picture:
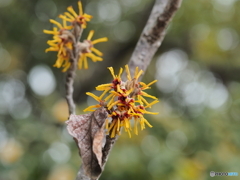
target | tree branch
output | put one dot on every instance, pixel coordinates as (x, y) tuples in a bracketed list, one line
[(77, 32), (153, 34), (69, 87)]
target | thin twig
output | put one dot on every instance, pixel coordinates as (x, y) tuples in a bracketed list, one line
[(69, 87), (77, 32)]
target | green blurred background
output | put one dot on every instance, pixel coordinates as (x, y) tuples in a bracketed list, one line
[(198, 72)]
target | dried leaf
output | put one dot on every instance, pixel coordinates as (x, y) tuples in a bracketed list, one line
[(88, 132)]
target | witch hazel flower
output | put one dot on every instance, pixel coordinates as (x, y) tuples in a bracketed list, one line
[(124, 101), (79, 18), (65, 40), (88, 50)]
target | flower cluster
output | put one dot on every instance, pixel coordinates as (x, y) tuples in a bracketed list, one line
[(124, 100), (65, 40)]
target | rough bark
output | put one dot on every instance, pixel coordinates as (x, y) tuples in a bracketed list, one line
[(70, 76), (153, 34)]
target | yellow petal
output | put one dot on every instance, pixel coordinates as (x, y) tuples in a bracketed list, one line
[(50, 32), (53, 41), (80, 61), (111, 101), (64, 23), (84, 26), (128, 73), (154, 113), (67, 66), (99, 53), (87, 16), (143, 99), (93, 57), (147, 95), (142, 123), (120, 72), (119, 89), (71, 10), (128, 92), (152, 83), (93, 96), (56, 23), (106, 90), (90, 107), (90, 35), (129, 133), (118, 124), (126, 123), (106, 124), (109, 96), (146, 122), (136, 72), (80, 8), (113, 104), (59, 62), (69, 16), (104, 39), (115, 93), (135, 127), (65, 18), (113, 131), (102, 87), (143, 84), (112, 124), (85, 62), (112, 72), (51, 49), (139, 74), (152, 103)]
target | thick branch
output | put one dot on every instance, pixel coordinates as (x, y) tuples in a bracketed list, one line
[(153, 34)]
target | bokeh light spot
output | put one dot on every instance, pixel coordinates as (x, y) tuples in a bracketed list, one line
[(45, 9), (4, 3), (124, 31), (59, 152), (110, 11), (41, 80), (5, 59), (150, 145), (176, 140), (21, 109), (60, 110), (227, 39), (11, 152)]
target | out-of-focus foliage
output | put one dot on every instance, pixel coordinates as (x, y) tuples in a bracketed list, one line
[(198, 72)]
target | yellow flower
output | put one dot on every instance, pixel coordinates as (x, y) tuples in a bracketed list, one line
[(60, 43), (80, 18), (124, 102), (138, 86), (64, 40), (89, 50)]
